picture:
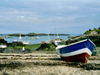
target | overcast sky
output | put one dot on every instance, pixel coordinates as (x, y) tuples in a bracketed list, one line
[(39, 16)]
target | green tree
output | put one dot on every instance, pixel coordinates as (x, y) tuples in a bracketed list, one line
[(87, 32), (94, 29), (89, 29)]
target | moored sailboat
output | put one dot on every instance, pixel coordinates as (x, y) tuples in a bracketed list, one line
[(26, 42), (48, 41)]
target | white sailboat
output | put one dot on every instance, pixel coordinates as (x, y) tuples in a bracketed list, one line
[(26, 42), (37, 37), (57, 36), (57, 40), (20, 38), (48, 41)]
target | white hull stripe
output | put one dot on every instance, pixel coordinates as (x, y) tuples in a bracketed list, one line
[(84, 50)]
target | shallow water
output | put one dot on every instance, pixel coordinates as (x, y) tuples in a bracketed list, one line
[(33, 41)]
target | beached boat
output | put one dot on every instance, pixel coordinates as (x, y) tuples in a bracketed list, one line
[(57, 40), (76, 52), (26, 43), (3, 46)]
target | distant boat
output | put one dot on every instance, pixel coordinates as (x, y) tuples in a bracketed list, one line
[(57, 36), (8, 37), (26, 42), (37, 37), (57, 40), (3, 46), (20, 37), (14, 41), (42, 41), (31, 38), (18, 40), (34, 37), (76, 52), (48, 41)]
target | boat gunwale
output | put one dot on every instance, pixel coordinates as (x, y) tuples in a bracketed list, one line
[(80, 51), (63, 46)]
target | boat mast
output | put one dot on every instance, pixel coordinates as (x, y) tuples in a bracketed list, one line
[(48, 35), (20, 36), (54, 31), (57, 35)]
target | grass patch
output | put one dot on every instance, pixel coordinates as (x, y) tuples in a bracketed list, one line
[(26, 46)]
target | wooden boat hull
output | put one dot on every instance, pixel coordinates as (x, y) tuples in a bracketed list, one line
[(77, 58), (76, 52)]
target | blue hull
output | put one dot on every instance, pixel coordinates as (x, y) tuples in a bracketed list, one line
[(77, 46)]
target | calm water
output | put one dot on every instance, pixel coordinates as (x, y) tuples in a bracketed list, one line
[(34, 41)]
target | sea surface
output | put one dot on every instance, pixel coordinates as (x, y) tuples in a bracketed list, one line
[(34, 41)]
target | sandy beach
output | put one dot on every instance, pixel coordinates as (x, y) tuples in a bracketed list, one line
[(46, 64), (45, 67)]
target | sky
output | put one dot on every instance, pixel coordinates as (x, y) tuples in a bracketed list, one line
[(55, 16)]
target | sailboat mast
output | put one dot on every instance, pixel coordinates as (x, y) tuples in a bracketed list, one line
[(48, 35), (57, 35), (20, 36), (54, 31)]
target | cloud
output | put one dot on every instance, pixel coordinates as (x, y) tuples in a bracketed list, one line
[(68, 16)]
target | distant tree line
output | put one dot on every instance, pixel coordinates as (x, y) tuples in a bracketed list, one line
[(34, 34)]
